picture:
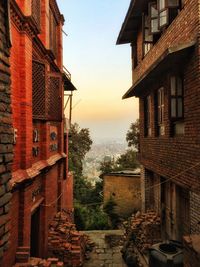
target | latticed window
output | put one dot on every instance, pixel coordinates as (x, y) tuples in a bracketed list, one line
[(52, 33), (36, 11), (39, 88), (54, 97)]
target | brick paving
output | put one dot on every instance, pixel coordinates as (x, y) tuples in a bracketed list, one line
[(106, 252)]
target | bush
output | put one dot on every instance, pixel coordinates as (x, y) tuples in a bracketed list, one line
[(109, 209)]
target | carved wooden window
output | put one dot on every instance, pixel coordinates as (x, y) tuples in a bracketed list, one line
[(54, 97), (39, 90), (36, 12), (52, 33)]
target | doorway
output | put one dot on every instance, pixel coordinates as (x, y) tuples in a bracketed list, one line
[(35, 233)]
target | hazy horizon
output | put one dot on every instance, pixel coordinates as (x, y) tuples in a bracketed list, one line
[(101, 71)]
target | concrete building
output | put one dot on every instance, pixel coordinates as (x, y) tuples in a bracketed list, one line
[(125, 189), (40, 183), (165, 44)]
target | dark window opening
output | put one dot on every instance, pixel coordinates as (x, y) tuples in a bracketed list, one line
[(147, 114), (53, 33), (160, 111), (176, 104)]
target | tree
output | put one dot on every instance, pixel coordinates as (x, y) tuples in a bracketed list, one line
[(127, 161), (133, 134), (107, 166), (79, 144)]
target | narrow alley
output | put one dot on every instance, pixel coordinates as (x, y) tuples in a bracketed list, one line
[(107, 249)]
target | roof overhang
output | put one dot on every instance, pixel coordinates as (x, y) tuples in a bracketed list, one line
[(171, 58), (131, 23), (68, 85)]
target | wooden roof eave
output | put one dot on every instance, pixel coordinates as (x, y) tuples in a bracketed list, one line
[(172, 57)]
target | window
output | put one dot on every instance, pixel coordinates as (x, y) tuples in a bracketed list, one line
[(147, 113), (167, 11), (176, 98), (153, 11), (160, 111), (176, 86), (52, 33), (47, 94), (39, 89), (147, 36)]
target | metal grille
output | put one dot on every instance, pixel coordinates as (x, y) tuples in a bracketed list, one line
[(38, 78), (36, 12), (54, 99)]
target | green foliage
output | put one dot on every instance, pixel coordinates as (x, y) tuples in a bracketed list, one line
[(127, 161), (133, 134), (90, 218), (107, 166), (109, 209), (79, 144)]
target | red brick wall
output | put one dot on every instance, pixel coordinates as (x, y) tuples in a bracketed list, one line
[(30, 173), (166, 155), (21, 73), (6, 132), (9, 258)]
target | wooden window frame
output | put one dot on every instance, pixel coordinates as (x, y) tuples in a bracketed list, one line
[(145, 28), (147, 115), (167, 9), (160, 111), (152, 18), (176, 97)]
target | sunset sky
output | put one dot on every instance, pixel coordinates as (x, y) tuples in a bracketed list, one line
[(101, 71)]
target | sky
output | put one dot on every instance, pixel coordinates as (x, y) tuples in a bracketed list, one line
[(101, 71)]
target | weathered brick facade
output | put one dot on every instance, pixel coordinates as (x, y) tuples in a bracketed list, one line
[(40, 180), (6, 130), (169, 125)]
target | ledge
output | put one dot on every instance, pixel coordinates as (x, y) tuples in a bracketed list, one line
[(22, 176)]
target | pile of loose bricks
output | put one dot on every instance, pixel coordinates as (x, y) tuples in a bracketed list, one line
[(65, 243), (142, 231), (66, 246), (36, 262)]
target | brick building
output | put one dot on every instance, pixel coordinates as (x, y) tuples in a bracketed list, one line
[(6, 131), (40, 183), (165, 44)]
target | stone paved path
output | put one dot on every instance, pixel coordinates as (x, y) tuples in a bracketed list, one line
[(106, 252)]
